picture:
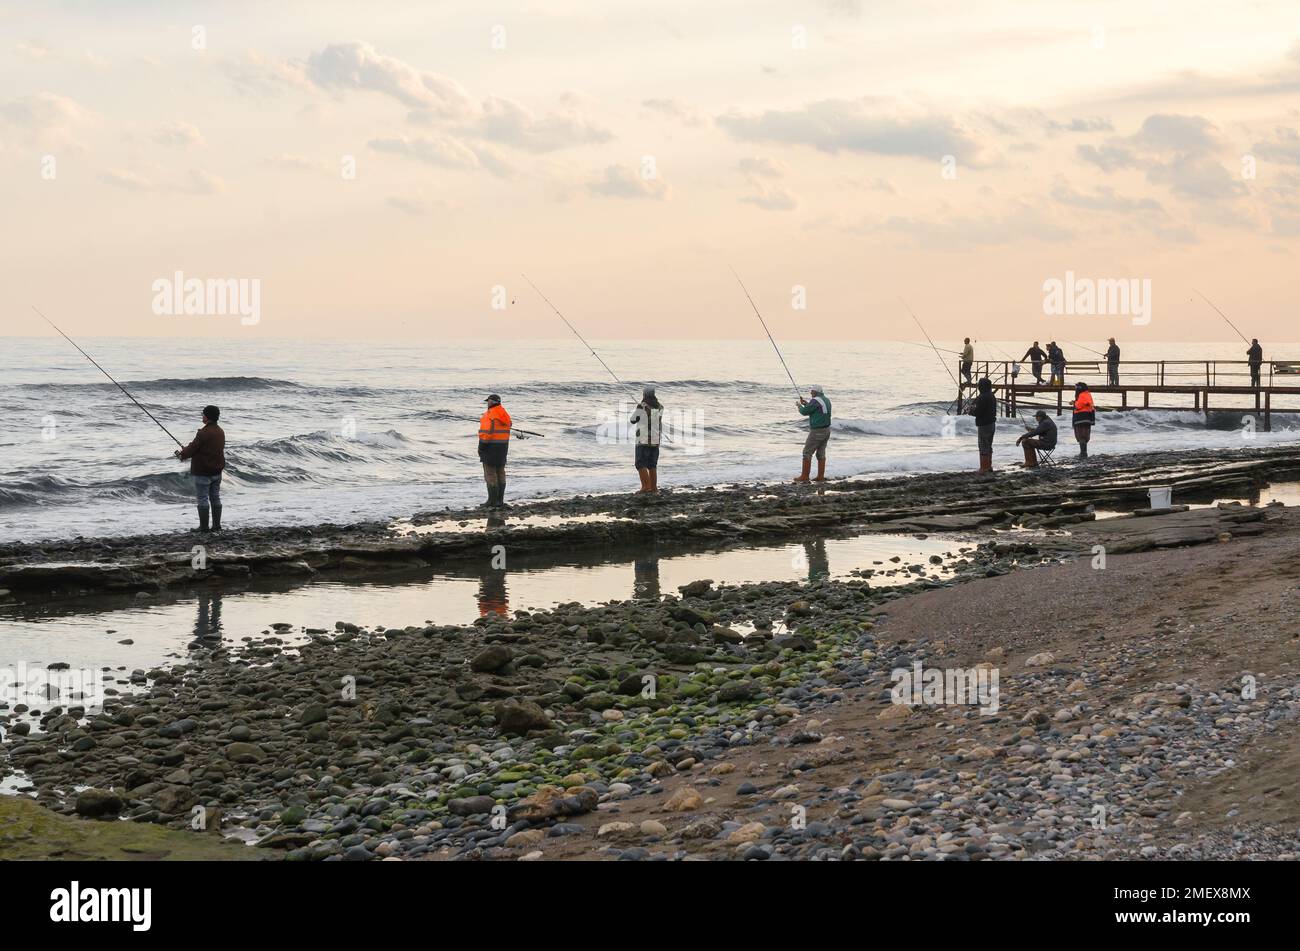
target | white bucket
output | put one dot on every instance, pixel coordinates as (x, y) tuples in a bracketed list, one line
[(1162, 496)]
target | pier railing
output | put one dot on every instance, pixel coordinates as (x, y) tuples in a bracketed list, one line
[(1016, 387)]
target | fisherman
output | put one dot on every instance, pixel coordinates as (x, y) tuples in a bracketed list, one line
[(1036, 356), (1256, 357), (985, 410), (967, 358), (1084, 416), (818, 411), (1057, 357), (493, 444), (1112, 363), (207, 456), (1042, 436), (648, 420)]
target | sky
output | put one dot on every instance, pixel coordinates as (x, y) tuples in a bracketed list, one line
[(392, 169)]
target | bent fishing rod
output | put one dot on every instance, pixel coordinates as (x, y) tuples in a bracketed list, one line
[(946, 368), (1224, 316), (109, 375), (798, 394), (1082, 347), (585, 344)]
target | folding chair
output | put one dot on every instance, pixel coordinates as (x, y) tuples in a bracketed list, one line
[(1045, 457)]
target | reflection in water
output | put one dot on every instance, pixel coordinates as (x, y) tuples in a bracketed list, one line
[(645, 578), (492, 595), (819, 564), (207, 625)]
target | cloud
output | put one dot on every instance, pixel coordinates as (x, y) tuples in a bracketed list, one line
[(119, 178), (1197, 176), (35, 50), (1175, 151), (178, 135), (1284, 147), (676, 109), (1024, 223), (840, 125), (443, 152), (202, 183), (771, 198), (764, 167), (357, 66), (618, 181), (44, 117), (256, 76), (507, 122), (1104, 198)]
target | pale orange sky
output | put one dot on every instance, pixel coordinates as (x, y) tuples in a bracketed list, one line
[(623, 154)]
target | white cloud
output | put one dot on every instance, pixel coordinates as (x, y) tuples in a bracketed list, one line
[(357, 66), (178, 135), (762, 166), (676, 109), (507, 122), (841, 125), (771, 197), (618, 181)]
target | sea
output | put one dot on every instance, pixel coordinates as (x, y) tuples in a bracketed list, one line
[(342, 431)]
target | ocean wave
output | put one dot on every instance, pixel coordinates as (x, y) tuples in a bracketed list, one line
[(207, 384)]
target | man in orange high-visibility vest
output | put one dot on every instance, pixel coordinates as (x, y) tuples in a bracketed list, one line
[(493, 444), (1084, 417)]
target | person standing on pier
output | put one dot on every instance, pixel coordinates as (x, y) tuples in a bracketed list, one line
[(648, 420), (1112, 364), (1256, 357), (1085, 414), (1036, 356), (1057, 356), (985, 411), (493, 445), (818, 411), (967, 359), (207, 456)]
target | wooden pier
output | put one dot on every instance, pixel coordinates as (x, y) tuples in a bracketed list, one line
[(1139, 381)]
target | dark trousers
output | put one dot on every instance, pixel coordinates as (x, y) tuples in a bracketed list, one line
[(1038, 372), (965, 370), (1254, 374), (1112, 374)]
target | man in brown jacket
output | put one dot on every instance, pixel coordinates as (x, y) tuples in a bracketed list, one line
[(207, 456)]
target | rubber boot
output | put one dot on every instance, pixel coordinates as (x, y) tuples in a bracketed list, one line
[(501, 495), (807, 467), (1083, 450), (216, 518), (491, 502), (986, 462), (821, 471), (1031, 457), (203, 520)]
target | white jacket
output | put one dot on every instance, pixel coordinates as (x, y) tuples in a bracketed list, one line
[(648, 423)]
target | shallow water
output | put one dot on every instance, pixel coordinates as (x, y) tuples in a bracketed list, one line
[(161, 628)]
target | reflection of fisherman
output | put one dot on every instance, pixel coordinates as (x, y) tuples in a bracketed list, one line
[(207, 625), (819, 566), (645, 578), (492, 596)]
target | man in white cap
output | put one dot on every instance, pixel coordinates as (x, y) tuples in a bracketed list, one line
[(818, 411), (648, 420)]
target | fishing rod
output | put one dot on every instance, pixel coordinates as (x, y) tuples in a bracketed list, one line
[(107, 374), (1224, 316), (946, 368), (768, 332), (585, 344), (571, 327), (927, 347), (1082, 347)]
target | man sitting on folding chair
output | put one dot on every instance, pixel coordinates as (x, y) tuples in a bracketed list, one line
[(1042, 436)]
